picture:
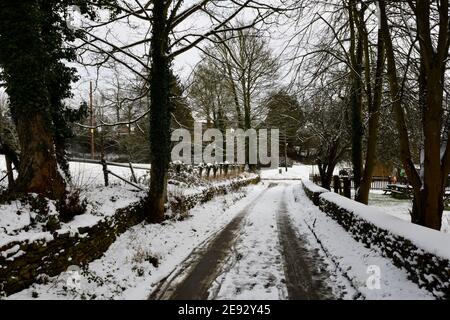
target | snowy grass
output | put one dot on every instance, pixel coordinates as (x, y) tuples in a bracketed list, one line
[(400, 208)]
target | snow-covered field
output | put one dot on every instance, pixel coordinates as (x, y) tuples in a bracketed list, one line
[(18, 221), (400, 208), (296, 172)]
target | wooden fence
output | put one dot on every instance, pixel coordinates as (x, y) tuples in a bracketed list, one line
[(206, 171), (378, 183)]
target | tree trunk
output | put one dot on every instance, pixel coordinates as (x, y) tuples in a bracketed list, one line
[(356, 52), (25, 62), (159, 115), (427, 195), (240, 121), (38, 168), (428, 211), (326, 169), (429, 205), (328, 177), (374, 115), (10, 173), (325, 179)]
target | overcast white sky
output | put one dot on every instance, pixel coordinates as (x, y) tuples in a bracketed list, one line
[(122, 33)]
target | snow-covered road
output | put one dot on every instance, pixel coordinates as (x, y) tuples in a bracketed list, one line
[(270, 260), (280, 246)]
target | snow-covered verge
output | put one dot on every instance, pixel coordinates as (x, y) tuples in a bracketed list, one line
[(145, 254), (28, 250), (423, 252), (20, 219), (351, 265)]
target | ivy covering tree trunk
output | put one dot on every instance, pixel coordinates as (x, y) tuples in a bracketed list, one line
[(356, 57), (38, 169), (159, 113), (24, 59), (33, 57)]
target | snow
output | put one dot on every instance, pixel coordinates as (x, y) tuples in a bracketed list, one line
[(11, 251), (297, 171), (17, 219), (14, 217), (400, 208), (89, 174), (124, 272), (102, 202), (141, 257), (29, 236), (257, 271), (349, 261), (17, 222), (313, 187), (430, 240)]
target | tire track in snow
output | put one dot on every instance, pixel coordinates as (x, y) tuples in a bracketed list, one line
[(194, 277), (256, 271), (347, 259), (304, 270)]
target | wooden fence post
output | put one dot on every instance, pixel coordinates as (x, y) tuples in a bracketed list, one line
[(133, 176), (347, 187), (336, 184), (105, 171)]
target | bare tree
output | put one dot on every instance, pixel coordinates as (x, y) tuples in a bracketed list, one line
[(432, 34), (166, 35), (327, 126), (344, 37), (210, 94)]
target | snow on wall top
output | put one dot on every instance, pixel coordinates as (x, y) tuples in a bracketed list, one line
[(430, 240), (313, 187)]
